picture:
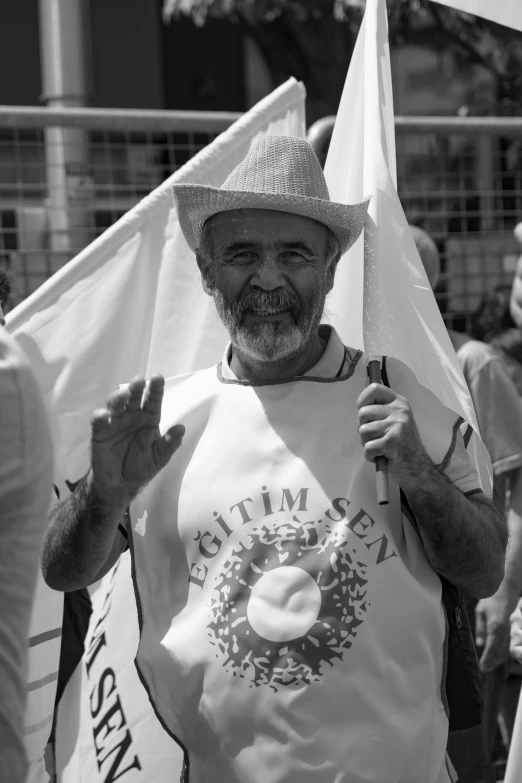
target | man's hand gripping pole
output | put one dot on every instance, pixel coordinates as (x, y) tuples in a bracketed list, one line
[(381, 463)]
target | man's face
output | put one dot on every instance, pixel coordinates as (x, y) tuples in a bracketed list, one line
[(269, 274)]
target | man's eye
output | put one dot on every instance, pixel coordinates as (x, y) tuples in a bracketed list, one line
[(292, 256), (244, 255)]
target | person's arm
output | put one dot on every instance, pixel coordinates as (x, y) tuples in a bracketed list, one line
[(83, 540), (127, 451), (499, 413), (493, 614), (464, 537)]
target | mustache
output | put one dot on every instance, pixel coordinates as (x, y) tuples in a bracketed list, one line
[(279, 299)]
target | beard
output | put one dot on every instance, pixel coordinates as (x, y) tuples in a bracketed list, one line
[(273, 340)]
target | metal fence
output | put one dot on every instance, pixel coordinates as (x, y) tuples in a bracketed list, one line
[(66, 175), (461, 180)]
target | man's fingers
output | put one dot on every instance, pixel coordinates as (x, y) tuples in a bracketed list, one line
[(496, 649), (372, 413), (376, 394), (515, 646), (154, 395), (480, 627), (375, 448), (135, 390), (165, 447), (487, 653), (100, 421), (373, 430), (117, 401)]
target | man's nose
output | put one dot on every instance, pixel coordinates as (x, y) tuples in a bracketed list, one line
[(268, 275)]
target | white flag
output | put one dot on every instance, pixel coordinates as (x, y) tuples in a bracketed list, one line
[(506, 12), (382, 301), (131, 303)]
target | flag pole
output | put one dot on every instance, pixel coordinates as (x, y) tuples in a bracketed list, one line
[(381, 463)]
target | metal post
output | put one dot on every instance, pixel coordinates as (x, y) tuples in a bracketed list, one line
[(486, 181), (69, 180)]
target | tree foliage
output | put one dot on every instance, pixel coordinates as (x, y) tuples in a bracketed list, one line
[(313, 41)]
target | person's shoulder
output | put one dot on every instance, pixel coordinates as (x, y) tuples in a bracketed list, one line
[(481, 363), (476, 353), (190, 390), (185, 381), (19, 388), (191, 380), (24, 421), (355, 361)]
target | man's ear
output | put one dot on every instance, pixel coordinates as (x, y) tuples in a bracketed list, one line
[(330, 272), (206, 273)]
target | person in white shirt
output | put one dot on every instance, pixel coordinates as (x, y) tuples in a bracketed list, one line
[(26, 474), (499, 414)]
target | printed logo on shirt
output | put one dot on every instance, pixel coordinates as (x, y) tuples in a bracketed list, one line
[(289, 598)]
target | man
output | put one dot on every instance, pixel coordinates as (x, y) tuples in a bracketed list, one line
[(291, 628), (499, 414), (26, 466)]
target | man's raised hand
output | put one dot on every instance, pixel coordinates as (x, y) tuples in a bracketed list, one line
[(127, 448)]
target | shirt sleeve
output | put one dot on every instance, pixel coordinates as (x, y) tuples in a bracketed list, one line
[(457, 465), (499, 413), (446, 437)]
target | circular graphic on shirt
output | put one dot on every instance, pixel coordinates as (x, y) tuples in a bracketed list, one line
[(288, 601)]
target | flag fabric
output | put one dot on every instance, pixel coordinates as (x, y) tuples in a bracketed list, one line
[(382, 301), (506, 12), (131, 303)]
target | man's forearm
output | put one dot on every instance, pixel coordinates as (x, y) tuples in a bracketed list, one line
[(464, 538), (80, 536)]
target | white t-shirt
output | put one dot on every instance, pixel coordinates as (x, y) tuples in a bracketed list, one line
[(291, 629), (498, 407)]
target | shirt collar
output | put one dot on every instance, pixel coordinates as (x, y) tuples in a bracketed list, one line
[(328, 365)]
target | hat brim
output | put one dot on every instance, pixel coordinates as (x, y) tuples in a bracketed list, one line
[(197, 203)]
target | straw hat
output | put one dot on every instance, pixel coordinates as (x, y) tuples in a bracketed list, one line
[(280, 173)]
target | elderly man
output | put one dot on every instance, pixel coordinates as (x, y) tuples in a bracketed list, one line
[(291, 627)]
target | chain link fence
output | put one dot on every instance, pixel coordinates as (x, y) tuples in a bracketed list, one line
[(460, 179), (66, 175)]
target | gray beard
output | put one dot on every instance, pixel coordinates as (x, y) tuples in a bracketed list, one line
[(274, 341), (268, 343)]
